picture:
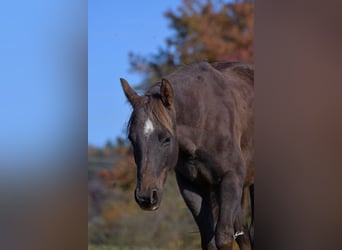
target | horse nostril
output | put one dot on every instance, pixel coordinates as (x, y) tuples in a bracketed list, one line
[(154, 196), (137, 196), (147, 200)]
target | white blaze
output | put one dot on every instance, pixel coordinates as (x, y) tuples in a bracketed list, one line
[(148, 127)]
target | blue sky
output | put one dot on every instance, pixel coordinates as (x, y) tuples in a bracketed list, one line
[(42, 87), (114, 29)]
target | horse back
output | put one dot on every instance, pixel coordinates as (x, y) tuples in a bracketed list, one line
[(244, 71)]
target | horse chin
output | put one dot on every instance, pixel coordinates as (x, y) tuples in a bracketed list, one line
[(150, 208), (154, 208)]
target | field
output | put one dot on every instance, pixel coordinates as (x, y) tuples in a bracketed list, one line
[(115, 221), (93, 247)]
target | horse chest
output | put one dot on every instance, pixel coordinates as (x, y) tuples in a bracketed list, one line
[(198, 171)]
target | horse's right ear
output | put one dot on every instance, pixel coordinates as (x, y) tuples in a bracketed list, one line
[(131, 95)]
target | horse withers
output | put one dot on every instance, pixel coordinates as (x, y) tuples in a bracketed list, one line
[(199, 122)]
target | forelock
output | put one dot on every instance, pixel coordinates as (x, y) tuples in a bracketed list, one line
[(160, 113), (155, 111)]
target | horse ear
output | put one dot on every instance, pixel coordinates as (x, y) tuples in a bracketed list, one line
[(131, 95), (166, 92)]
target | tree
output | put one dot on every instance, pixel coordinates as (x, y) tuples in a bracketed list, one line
[(203, 30)]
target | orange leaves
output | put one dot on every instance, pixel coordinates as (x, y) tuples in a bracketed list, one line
[(202, 30), (215, 32), (124, 173)]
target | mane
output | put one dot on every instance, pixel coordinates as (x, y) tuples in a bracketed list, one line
[(242, 70)]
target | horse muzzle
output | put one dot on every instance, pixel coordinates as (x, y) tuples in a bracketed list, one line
[(149, 199)]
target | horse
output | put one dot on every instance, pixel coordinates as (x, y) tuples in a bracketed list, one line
[(198, 121)]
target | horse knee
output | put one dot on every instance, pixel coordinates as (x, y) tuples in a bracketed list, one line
[(224, 240)]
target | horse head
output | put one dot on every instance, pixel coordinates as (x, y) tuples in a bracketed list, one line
[(152, 133)]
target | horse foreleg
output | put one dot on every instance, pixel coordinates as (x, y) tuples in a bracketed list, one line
[(230, 214), (199, 203), (241, 234), (251, 233)]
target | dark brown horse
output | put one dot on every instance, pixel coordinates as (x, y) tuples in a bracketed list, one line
[(199, 122)]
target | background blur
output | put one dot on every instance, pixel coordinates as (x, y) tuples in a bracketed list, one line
[(142, 46)]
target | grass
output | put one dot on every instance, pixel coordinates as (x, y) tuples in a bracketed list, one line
[(108, 247)]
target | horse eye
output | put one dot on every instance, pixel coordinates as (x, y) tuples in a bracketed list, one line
[(166, 140)]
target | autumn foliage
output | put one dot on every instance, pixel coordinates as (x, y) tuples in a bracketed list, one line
[(115, 219), (202, 30)]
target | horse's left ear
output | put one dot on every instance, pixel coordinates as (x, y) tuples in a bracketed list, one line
[(166, 93)]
